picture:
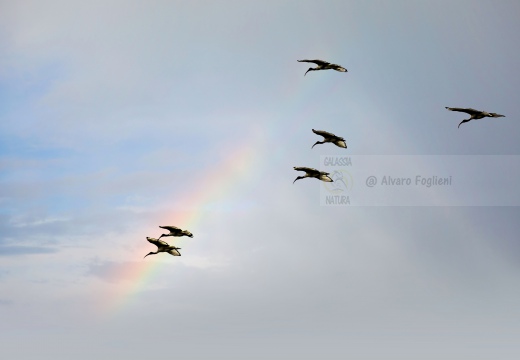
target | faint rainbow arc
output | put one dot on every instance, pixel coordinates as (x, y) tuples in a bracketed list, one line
[(216, 184)]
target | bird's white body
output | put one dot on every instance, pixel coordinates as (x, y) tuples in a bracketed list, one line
[(325, 178), (341, 143)]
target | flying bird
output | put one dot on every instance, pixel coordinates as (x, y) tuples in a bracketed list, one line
[(163, 246), (175, 231), (475, 114), (328, 137), (323, 65), (310, 172)]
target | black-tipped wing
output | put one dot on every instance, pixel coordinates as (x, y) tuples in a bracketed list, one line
[(309, 171), (158, 243), (173, 229), (326, 134), (317, 62), (469, 111)]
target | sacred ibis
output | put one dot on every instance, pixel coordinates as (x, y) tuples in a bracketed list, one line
[(175, 231), (329, 137), (163, 246), (475, 114), (323, 65), (310, 172)]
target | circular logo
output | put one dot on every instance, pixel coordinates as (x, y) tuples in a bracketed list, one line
[(342, 182)]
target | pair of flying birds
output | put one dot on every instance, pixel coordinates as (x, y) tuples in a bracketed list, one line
[(474, 114), (321, 175), (163, 246)]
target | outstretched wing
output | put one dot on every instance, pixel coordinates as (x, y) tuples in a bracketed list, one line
[(469, 111), (156, 242), (174, 252), (309, 171), (317, 62), (170, 228), (325, 134)]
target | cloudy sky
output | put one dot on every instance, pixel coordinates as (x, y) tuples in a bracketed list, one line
[(120, 116)]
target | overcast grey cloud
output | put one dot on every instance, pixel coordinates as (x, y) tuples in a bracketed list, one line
[(120, 116)]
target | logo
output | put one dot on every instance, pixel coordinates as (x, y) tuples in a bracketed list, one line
[(337, 192), (341, 183)]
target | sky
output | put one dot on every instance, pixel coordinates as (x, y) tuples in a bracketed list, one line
[(117, 117)]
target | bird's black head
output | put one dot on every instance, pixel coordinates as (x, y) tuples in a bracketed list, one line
[(310, 69), (496, 115), (150, 253)]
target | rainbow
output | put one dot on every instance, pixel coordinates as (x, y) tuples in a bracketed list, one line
[(217, 183)]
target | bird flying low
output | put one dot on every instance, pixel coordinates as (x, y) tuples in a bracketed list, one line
[(163, 246), (329, 137), (175, 231), (310, 172), (323, 65), (475, 114)]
